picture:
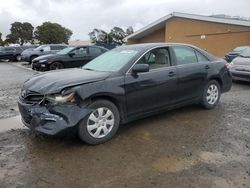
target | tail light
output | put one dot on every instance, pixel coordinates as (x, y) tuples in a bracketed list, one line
[(228, 65)]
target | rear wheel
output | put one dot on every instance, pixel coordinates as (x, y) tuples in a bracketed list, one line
[(18, 57), (211, 94), (101, 124), (56, 65)]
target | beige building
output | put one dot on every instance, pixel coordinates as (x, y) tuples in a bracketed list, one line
[(79, 42), (215, 35)]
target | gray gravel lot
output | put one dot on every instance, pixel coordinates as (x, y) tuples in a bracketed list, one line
[(11, 80), (188, 147)]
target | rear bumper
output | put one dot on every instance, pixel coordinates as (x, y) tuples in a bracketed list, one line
[(240, 75), (226, 82), (51, 120)]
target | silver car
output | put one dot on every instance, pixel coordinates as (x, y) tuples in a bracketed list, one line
[(240, 67)]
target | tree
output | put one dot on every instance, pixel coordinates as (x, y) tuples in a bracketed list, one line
[(130, 30), (1, 41), (118, 35), (99, 36), (115, 36), (20, 33), (52, 33)]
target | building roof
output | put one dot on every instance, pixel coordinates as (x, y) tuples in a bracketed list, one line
[(160, 23)]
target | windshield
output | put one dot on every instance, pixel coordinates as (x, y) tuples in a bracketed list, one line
[(240, 48), (65, 51), (1, 49), (245, 53), (111, 61), (40, 47)]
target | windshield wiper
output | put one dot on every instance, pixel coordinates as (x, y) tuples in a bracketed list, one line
[(89, 69)]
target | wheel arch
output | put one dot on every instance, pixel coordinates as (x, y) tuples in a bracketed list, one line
[(219, 80), (112, 99), (33, 55)]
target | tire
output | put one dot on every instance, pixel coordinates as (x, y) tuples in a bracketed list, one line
[(18, 57), (56, 66), (91, 129), (211, 94), (31, 58)]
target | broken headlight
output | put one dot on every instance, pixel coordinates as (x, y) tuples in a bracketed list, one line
[(61, 99)]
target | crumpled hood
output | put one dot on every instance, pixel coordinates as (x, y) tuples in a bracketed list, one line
[(55, 81)]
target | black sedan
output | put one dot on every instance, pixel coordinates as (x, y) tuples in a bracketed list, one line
[(240, 67), (67, 58), (122, 85)]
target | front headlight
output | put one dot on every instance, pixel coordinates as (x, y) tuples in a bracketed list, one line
[(60, 99), (43, 60)]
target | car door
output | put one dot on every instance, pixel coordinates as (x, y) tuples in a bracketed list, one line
[(78, 57), (192, 69), (151, 90), (8, 53)]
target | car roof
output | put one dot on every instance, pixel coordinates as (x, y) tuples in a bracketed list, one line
[(145, 46), (88, 45)]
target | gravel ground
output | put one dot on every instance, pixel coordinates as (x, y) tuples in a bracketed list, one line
[(11, 80), (188, 147)]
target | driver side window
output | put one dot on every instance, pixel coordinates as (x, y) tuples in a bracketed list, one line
[(80, 52), (156, 58), (46, 48)]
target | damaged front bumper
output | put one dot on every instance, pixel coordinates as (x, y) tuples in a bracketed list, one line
[(52, 119)]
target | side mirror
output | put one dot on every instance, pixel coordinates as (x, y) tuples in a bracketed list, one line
[(71, 54), (140, 68)]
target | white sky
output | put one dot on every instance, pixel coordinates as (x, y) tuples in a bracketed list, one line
[(81, 16)]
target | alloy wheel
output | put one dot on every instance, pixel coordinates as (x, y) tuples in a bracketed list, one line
[(212, 94), (100, 122), (56, 66)]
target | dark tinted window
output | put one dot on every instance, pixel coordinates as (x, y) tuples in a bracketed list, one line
[(57, 47), (156, 58), (95, 51), (80, 52), (9, 49), (185, 55), (201, 57)]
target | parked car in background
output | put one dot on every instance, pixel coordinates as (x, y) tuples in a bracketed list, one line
[(240, 66), (235, 53), (29, 55), (122, 85), (13, 53), (67, 58)]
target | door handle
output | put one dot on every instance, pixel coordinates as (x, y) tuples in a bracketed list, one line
[(207, 67), (171, 74)]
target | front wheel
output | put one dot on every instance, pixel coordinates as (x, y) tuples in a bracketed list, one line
[(101, 124), (211, 94), (56, 66)]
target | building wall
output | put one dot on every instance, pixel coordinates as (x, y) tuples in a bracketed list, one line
[(215, 38), (157, 36)]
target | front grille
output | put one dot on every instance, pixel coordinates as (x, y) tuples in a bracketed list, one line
[(31, 97)]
